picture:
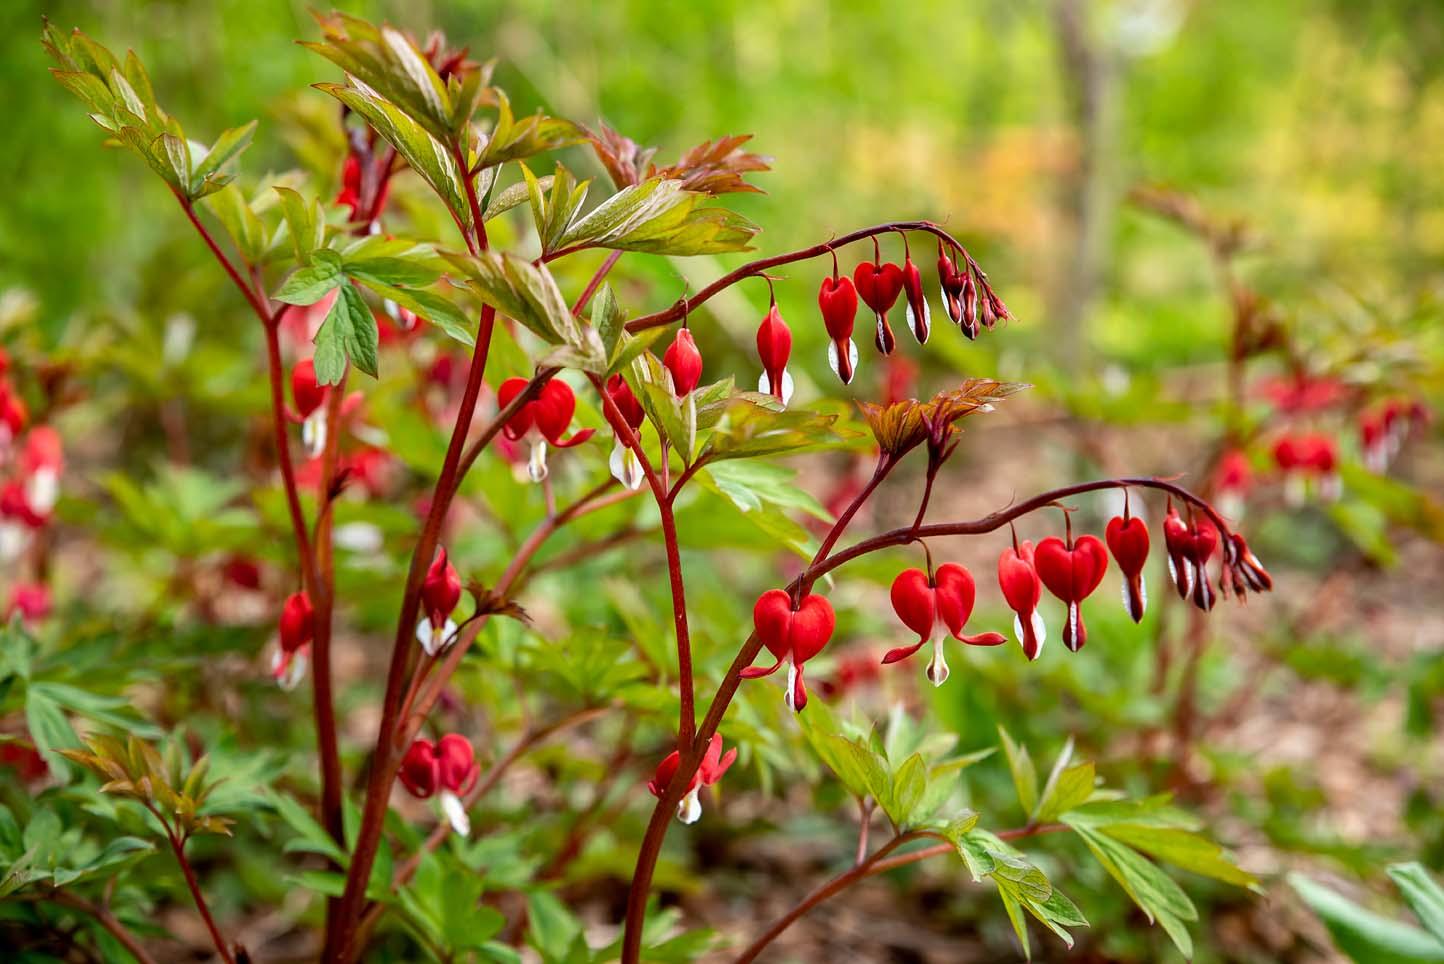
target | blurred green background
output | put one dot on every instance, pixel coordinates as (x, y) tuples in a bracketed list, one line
[(1020, 122)]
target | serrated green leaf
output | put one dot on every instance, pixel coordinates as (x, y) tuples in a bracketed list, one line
[(313, 281), (349, 332)]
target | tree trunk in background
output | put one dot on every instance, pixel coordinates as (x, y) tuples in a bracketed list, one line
[(1087, 191)]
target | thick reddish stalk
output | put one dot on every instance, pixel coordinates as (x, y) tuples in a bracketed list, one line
[(324, 593), (338, 946)]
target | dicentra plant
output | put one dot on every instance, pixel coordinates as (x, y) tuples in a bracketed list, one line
[(518, 284)]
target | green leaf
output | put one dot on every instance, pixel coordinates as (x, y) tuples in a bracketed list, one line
[(520, 290), (305, 221), (311, 836), (1182, 849), (226, 148), (1365, 936), (349, 331), (659, 216), (49, 728), (513, 196), (405, 272), (512, 140), (1066, 790), (1155, 893), (908, 784), (241, 222), (750, 425), (311, 282), (429, 306), (1025, 777), (427, 156), (1423, 895)]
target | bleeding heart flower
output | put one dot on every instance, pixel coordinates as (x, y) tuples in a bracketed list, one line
[(350, 193), (1127, 537), (310, 398), (543, 419), (879, 286), (440, 592), (919, 315), (932, 608), (792, 636), (297, 629), (684, 361), (714, 765), (31, 600), (837, 299), (1018, 578), (1248, 568), (41, 462), (448, 766), (626, 467), (1071, 570), (774, 347), (950, 282), (1308, 458)]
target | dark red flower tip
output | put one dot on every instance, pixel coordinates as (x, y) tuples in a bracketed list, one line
[(684, 361)]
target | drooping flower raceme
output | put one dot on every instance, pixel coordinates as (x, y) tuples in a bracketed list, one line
[(447, 767), (626, 467), (933, 608), (1071, 570), (1022, 588), (714, 765), (544, 419), (792, 636), (297, 629), (440, 592)]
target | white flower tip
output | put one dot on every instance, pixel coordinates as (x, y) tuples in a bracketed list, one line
[(455, 811), (689, 808), (536, 466), (313, 433)]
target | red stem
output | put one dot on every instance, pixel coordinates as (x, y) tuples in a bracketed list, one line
[(177, 845), (687, 722)]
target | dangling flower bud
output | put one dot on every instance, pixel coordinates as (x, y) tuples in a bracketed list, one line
[(879, 285), (310, 398), (297, 629), (1127, 537), (543, 419), (837, 299), (792, 636), (714, 764), (440, 592), (919, 315), (1072, 570), (1249, 569), (774, 346), (684, 361), (1022, 589), (950, 285), (933, 608), (626, 467)]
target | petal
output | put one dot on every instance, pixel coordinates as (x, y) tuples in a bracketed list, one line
[(902, 652), (455, 811), (536, 466), (757, 672), (689, 808)]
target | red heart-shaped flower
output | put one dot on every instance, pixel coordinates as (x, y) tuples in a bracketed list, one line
[(1072, 574), (1128, 541), (793, 636)]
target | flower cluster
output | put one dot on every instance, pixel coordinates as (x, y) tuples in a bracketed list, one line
[(937, 602)]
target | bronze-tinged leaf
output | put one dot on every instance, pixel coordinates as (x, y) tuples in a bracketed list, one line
[(903, 426), (625, 161), (717, 167)]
